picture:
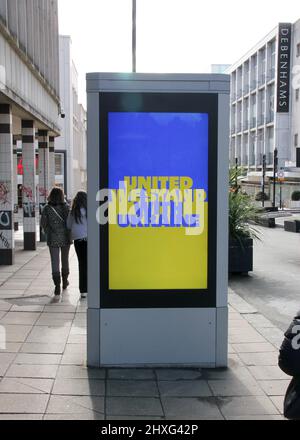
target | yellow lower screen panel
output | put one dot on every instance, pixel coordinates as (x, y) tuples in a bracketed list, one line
[(157, 259)]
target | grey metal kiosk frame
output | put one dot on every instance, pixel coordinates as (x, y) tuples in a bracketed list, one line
[(138, 337)]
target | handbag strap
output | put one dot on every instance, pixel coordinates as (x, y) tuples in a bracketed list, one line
[(57, 214)]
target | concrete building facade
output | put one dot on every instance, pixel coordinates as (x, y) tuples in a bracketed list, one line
[(29, 109), (71, 146), (265, 109)]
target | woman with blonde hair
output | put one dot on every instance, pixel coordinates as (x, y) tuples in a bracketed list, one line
[(54, 223)]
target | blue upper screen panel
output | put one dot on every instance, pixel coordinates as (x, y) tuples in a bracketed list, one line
[(158, 144)]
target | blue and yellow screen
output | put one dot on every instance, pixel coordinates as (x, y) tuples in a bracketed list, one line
[(158, 151)]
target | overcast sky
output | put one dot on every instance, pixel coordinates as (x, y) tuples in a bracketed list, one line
[(172, 35)]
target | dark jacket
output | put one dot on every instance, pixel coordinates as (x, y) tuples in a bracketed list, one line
[(289, 355), (55, 227)]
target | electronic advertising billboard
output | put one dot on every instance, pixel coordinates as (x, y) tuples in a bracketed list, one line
[(158, 156)]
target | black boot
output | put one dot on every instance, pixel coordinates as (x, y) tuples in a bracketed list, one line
[(65, 281), (57, 282)]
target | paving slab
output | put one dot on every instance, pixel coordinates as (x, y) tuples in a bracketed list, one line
[(26, 386), (16, 417), (254, 418), (23, 403), (74, 405), (17, 318), (60, 308), (43, 348), (178, 374), (184, 388), (268, 373), (27, 308), (11, 347), (278, 402), (133, 406), (275, 387), (259, 321), (48, 334), (250, 406), (89, 416), (77, 339), (32, 371), (5, 306), (79, 387), (79, 372), (193, 408), (6, 360), (235, 388), (74, 358), (38, 359), (54, 321), (17, 333), (264, 347), (132, 388), (259, 359), (128, 374)]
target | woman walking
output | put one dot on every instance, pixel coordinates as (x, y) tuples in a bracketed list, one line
[(77, 224), (54, 223)]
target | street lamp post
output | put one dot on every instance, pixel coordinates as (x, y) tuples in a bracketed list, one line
[(274, 176), (263, 179), (134, 36)]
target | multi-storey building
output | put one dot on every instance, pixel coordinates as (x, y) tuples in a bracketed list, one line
[(29, 109), (265, 107), (71, 165)]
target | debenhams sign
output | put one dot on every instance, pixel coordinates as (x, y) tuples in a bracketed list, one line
[(284, 65)]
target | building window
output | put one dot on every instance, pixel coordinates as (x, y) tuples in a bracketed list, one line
[(298, 50), (296, 140), (297, 94), (59, 165)]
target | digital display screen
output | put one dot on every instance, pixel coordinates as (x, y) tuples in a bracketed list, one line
[(158, 169)]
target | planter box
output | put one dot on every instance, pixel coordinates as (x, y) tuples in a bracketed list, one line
[(272, 209), (266, 222), (292, 226), (240, 256)]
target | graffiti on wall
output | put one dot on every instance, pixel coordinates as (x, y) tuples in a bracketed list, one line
[(4, 243), (4, 193), (43, 192), (5, 220), (27, 194)]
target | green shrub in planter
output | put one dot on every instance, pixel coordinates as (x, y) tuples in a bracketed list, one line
[(296, 196), (262, 196), (241, 212), (241, 233)]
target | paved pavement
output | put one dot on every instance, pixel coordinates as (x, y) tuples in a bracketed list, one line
[(274, 286), (43, 372)]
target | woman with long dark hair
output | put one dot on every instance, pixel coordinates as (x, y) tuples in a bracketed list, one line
[(54, 223), (77, 224)]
